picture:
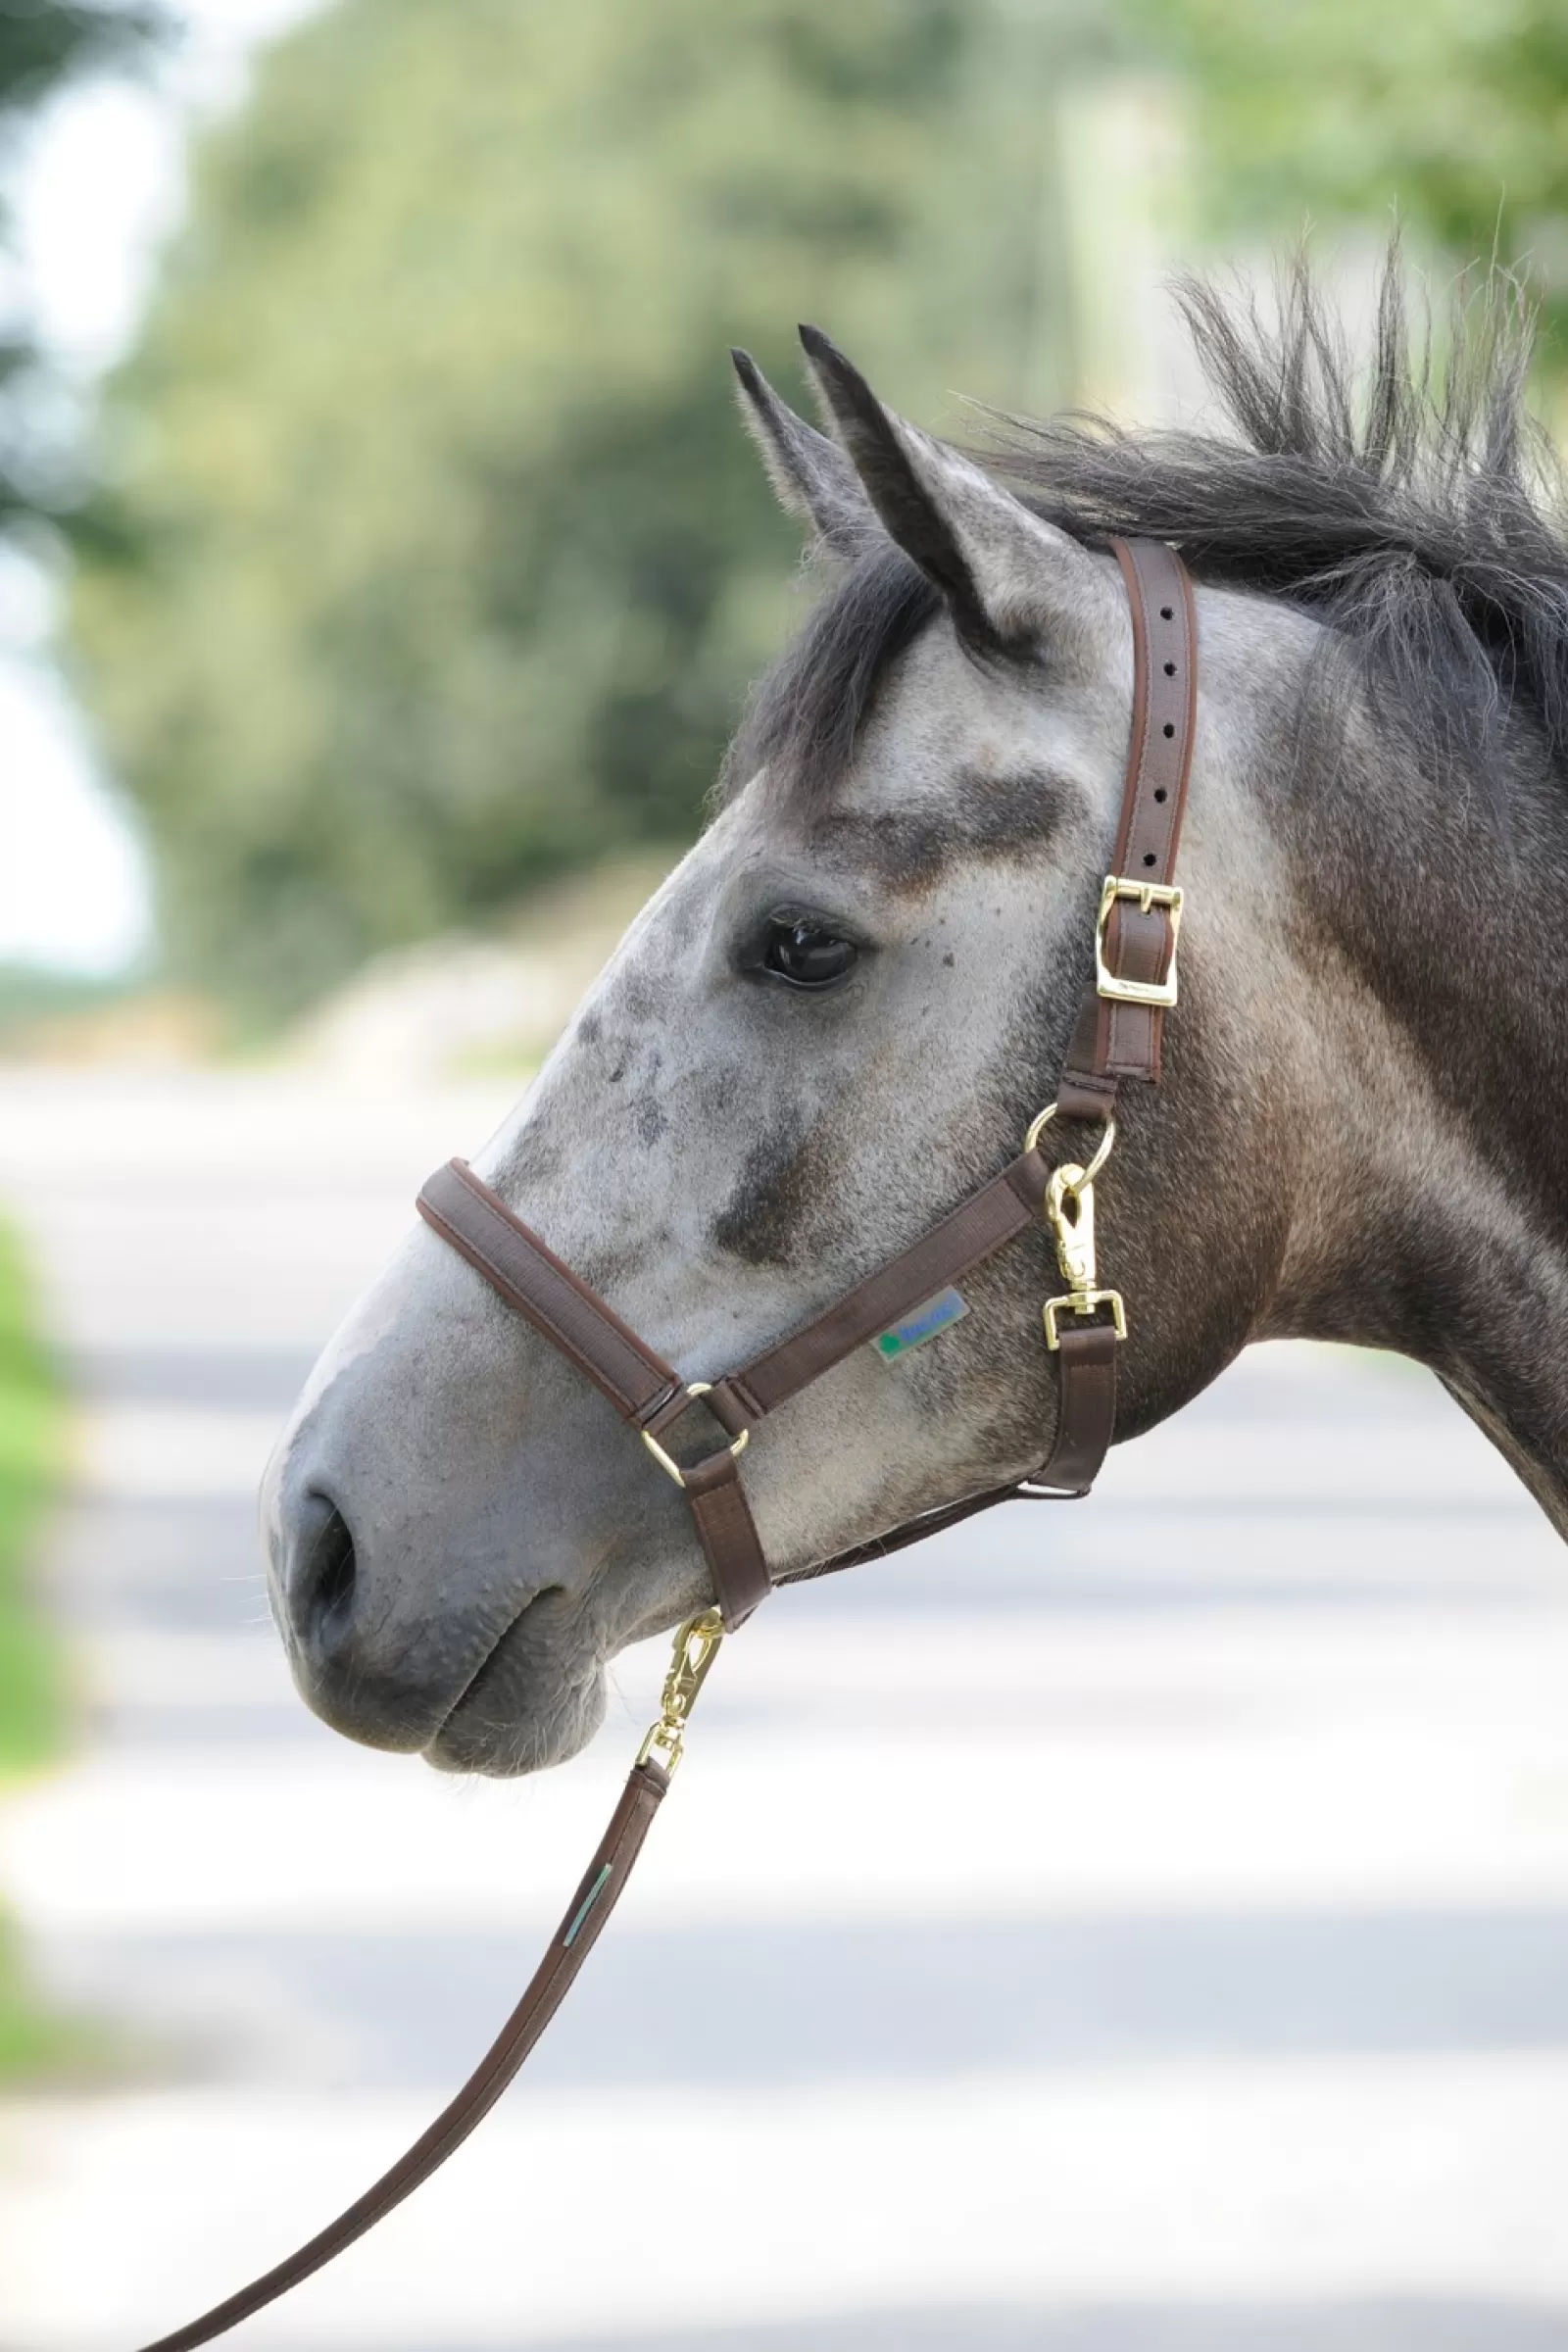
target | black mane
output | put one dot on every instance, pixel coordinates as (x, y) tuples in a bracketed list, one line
[(1413, 506)]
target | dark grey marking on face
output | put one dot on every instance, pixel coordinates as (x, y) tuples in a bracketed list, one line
[(652, 1123), (904, 851), (784, 1180)]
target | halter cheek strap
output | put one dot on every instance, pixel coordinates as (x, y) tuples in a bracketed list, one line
[(1120, 1027), (1121, 1020), (1118, 1035)]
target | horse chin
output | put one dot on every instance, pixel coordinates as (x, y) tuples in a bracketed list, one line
[(505, 1733), (536, 1696)]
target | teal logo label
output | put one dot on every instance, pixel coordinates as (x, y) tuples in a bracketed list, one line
[(936, 1315)]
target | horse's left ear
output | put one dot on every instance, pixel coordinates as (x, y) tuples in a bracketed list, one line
[(998, 567)]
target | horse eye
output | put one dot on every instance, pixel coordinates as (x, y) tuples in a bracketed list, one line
[(805, 953)]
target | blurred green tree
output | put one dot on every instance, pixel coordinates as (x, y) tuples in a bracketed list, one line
[(1451, 116), (430, 556), (44, 46)]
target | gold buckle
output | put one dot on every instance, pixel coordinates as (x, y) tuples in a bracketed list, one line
[(1083, 1302), (1161, 993), (667, 1462)]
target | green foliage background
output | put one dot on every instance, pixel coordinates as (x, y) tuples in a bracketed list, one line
[(428, 559), (1452, 116), (433, 558), (29, 1434), (46, 45), (33, 2040)]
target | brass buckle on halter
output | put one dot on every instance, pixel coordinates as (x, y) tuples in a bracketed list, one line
[(667, 1462), (1083, 1302), (1161, 994)]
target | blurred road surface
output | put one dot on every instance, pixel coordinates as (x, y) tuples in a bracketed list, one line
[(1213, 1995)]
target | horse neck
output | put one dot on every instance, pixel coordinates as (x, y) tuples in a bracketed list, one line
[(1443, 1101)]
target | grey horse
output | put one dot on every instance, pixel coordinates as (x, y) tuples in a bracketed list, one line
[(839, 1013)]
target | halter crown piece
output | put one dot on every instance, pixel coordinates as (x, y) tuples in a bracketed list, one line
[(1117, 1035)]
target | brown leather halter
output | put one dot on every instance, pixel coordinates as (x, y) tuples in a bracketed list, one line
[(1118, 1035)]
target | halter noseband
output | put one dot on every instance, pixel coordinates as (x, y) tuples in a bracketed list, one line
[(1118, 1035)]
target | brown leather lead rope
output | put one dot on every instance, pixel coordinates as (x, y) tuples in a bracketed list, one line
[(601, 1889), (1118, 1035), (598, 1891)]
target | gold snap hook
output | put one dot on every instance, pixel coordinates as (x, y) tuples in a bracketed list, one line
[(695, 1648), (1070, 1206), (1070, 1212)]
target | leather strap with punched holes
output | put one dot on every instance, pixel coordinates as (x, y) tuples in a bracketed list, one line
[(1118, 1040), (1135, 946), (1115, 1038)]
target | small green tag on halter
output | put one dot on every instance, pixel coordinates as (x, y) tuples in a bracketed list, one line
[(937, 1314)]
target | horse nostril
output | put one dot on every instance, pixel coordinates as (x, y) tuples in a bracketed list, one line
[(323, 1576)]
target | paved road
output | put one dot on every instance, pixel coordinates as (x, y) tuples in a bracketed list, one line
[(1216, 1997)]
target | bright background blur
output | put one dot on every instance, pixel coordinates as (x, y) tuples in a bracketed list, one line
[(381, 568)]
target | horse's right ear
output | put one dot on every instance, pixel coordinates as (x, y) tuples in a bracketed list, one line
[(812, 475)]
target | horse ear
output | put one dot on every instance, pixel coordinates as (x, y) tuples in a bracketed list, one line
[(809, 473), (993, 560)]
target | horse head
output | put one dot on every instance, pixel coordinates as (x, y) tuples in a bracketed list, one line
[(839, 1015)]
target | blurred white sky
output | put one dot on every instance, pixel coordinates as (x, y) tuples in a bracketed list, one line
[(100, 187)]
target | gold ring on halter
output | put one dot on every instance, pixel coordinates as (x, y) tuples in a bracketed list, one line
[(667, 1462), (1038, 1129)]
